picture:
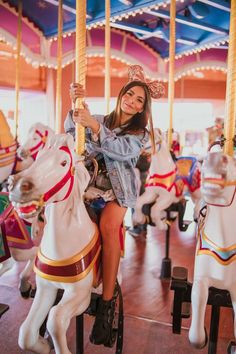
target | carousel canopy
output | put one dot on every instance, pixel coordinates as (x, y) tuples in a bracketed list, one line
[(140, 31)]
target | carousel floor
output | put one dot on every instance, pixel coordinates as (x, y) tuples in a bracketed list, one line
[(147, 301)]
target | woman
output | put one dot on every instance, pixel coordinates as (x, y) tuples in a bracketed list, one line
[(116, 141)]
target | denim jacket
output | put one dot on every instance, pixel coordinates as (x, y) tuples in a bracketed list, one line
[(120, 154)]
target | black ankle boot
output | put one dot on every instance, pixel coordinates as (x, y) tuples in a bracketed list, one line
[(102, 332)]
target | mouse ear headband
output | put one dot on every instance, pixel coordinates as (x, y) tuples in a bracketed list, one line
[(136, 73)]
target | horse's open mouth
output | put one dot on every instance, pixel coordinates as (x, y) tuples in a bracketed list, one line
[(212, 184), (27, 210)]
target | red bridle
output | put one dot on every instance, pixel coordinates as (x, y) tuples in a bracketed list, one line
[(34, 150), (69, 176)]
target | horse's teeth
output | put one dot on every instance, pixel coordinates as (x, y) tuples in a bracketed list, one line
[(218, 176), (210, 186)]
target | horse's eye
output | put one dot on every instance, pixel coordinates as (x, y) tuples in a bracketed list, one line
[(64, 163)]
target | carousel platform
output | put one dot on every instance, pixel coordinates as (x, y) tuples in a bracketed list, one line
[(147, 301)]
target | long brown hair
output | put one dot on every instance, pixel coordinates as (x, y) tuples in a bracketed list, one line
[(138, 123)]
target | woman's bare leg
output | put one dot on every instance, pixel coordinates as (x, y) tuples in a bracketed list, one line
[(111, 219)]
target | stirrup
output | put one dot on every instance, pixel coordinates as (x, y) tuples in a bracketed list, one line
[(102, 332)]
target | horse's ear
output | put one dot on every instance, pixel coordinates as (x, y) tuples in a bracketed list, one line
[(69, 141), (234, 160), (36, 126), (59, 140), (157, 134)]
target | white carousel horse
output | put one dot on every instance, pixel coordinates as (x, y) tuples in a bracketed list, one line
[(23, 239), (70, 247), (14, 160), (37, 138), (166, 184), (215, 258)]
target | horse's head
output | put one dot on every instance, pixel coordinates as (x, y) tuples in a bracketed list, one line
[(50, 178), (161, 161), (38, 136), (218, 178)]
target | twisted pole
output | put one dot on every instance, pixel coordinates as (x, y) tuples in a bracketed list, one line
[(107, 55), (18, 50), (59, 68), (80, 67), (171, 86), (230, 107)]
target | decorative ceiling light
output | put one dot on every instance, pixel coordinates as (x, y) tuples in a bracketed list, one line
[(126, 2), (198, 74)]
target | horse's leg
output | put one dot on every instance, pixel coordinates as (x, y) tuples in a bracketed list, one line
[(6, 265), (199, 296), (29, 338), (25, 284), (22, 256), (74, 302), (148, 197), (164, 200), (198, 203)]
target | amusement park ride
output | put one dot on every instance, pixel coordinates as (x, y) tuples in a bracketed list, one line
[(166, 37)]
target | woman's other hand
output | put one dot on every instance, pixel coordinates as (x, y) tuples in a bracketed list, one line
[(76, 91), (84, 117)]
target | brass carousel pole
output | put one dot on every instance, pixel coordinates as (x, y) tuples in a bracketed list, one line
[(171, 86), (17, 83), (230, 108), (59, 68), (80, 67), (107, 55), (166, 261)]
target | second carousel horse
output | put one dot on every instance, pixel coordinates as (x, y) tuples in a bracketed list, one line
[(166, 184)]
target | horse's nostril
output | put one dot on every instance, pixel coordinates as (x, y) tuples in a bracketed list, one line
[(23, 153), (26, 186)]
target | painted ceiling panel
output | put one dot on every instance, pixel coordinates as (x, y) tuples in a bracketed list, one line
[(139, 31), (198, 22)]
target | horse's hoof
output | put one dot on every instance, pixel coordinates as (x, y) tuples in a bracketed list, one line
[(32, 292), (196, 344), (231, 349), (206, 338), (49, 339), (26, 293)]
